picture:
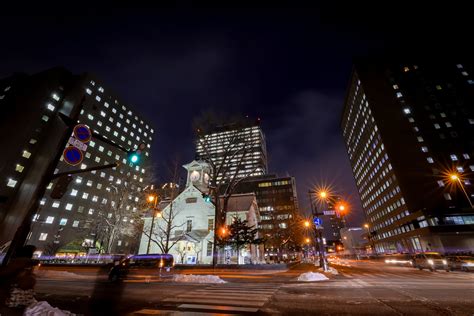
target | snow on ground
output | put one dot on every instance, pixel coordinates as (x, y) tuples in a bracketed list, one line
[(52, 274), (43, 308), (312, 276), (190, 278), (331, 270)]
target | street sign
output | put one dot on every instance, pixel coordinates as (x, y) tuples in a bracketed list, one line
[(72, 155), (317, 221), (82, 133), (329, 212), (77, 143)]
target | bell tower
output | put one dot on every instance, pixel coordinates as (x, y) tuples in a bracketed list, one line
[(198, 174)]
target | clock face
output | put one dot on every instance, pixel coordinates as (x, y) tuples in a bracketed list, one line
[(194, 176)]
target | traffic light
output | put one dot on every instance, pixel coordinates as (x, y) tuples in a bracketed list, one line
[(135, 155), (206, 197), (61, 186)]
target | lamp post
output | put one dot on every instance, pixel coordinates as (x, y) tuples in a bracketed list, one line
[(454, 177), (319, 235), (152, 199)]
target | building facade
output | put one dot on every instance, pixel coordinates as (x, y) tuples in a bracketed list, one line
[(408, 128), (187, 224), (278, 206), (238, 149), (75, 222)]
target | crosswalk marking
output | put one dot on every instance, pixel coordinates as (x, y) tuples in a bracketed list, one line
[(229, 296)]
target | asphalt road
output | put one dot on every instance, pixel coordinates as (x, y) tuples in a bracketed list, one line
[(362, 288)]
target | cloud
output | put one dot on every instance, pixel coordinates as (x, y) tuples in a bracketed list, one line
[(307, 144)]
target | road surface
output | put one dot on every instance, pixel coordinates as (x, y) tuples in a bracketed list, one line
[(362, 288)]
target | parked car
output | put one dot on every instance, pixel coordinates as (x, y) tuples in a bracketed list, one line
[(142, 266), (430, 260), (464, 263)]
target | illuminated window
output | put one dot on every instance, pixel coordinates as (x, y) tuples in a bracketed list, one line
[(85, 195), (97, 98), (424, 149), (68, 207), (50, 107), (101, 89), (447, 196), (11, 183), (406, 111), (89, 183), (55, 204), (91, 211), (441, 183), (33, 141), (45, 118), (90, 117), (88, 91), (106, 104), (437, 126), (75, 224), (63, 222), (448, 124), (454, 157), (97, 159), (438, 87), (43, 236), (73, 192), (83, 166), (19, 168), (466, 156), (420, 139), (49, 220)]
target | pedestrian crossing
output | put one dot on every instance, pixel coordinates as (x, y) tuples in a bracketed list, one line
[(412, 275), (229, 297)]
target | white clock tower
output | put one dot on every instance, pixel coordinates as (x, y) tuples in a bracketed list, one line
[(198, 174)]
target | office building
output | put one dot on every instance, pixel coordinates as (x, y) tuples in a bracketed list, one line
[(239, 148), (72, 223), (409, 133), (279, 213)]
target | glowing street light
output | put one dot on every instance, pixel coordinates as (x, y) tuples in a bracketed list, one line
[(306, 224), (366, 226), (307, 240), (323, 194), (455, 177), (151, 198)]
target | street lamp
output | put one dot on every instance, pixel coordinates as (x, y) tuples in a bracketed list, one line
[(156, 213), (323, 194), (455, 177)]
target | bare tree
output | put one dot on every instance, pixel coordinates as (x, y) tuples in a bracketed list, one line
[(166, 224), (228, 168), (182, 252), (121, 210)]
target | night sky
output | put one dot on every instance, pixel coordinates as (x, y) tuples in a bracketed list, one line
[(288, 66)]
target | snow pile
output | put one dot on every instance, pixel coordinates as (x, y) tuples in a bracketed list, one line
[(189, 278), (43, 308), (330, 270), (48, 274), (311, 276)]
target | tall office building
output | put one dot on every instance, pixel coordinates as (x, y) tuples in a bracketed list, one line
[(71, 222), (239, 148), (407, 128), (278, 206)]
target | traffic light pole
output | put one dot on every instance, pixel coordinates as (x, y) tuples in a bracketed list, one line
[(319, 235)]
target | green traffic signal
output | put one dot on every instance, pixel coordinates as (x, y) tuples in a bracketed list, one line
[(134, 157)]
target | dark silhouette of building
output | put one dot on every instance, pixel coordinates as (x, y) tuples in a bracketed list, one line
[(32, 131), (407, 129)]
